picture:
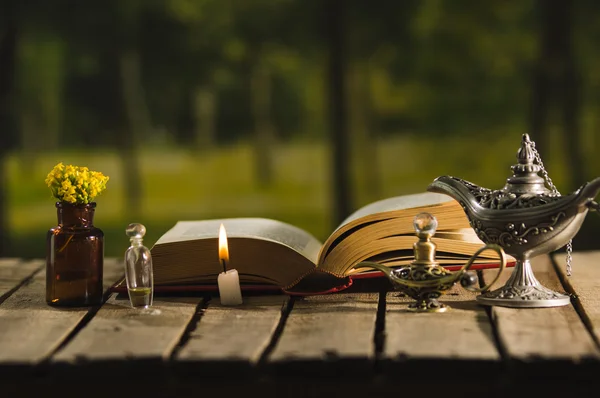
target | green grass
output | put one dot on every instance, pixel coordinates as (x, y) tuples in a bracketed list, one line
[(180, 185)]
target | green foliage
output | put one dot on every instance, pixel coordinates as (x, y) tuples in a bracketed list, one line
[(446, 84), (435, 67), (221, 184)]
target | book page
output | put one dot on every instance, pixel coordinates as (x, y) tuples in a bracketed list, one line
[(398, 203), (345, 259), (402, 208), (255, 228)]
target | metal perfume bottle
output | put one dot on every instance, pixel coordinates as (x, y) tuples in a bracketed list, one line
[(526, 219)]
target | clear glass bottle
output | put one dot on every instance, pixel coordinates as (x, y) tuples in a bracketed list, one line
[(138, 268)]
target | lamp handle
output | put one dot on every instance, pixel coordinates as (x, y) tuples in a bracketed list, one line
[(498, 249)]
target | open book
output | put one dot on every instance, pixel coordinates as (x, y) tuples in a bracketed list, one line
[(267, 252)]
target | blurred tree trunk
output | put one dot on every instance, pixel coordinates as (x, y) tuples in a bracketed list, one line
[(363, 138), (264, 138), (205, 112), (540, 92), (133, 98), (570, 93), (138, 123), (8, 48), (40, 92), (336, 78), (556, 82)]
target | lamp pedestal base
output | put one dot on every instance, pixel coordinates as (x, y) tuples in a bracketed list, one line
[(523, 290)]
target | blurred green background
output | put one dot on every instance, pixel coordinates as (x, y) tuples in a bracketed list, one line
[(299, 110)]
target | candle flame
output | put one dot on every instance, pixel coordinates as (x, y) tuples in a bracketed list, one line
[(223, 249)]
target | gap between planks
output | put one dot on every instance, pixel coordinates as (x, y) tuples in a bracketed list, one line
[(31, 330), (15, 273), (239, 335), (535, 334), (583, 286), (271, 332), (463, 333), (119, 332), (330, 327)]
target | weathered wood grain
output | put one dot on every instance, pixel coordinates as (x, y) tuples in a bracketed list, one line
[(584, 283), (14, 272), (329, 327), (30, 329), (464, 332), (235, 333), (120, 332), (555, 333)]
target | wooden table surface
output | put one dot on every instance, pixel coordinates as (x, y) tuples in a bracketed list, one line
[(353, 344)]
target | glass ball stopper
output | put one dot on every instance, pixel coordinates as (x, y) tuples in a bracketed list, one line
[(425, 224), (135, 231)]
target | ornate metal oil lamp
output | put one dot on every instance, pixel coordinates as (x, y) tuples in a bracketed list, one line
[(424, 279), (526, 219)]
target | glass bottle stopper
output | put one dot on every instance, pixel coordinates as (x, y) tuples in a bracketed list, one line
[(135, 231), (138, 268)]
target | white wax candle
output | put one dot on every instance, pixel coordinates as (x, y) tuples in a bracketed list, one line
[(229, 287)]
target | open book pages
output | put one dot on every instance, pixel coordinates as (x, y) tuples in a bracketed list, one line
[(267, 251), (414, 201), (387, 226), (262, 250)]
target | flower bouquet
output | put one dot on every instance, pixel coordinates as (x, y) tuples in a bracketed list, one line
[(74, 184)]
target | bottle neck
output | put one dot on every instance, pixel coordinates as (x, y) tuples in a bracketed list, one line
[(136, 242), (73, 215)]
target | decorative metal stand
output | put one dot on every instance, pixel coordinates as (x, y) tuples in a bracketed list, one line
[(526, 219), (523, 290)]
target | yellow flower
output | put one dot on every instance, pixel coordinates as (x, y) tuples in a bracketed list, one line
[(74, 184)]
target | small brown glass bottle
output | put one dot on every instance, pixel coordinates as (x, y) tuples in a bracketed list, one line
[(74, 257)]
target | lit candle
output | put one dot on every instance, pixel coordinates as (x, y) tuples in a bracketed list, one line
[(228, 280)]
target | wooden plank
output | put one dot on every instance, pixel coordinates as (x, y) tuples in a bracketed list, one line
[(120, 332), (14, 272), (329, 327), (583, 283), (464, 332), (236, 333), (30, 329), (555, 333)]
